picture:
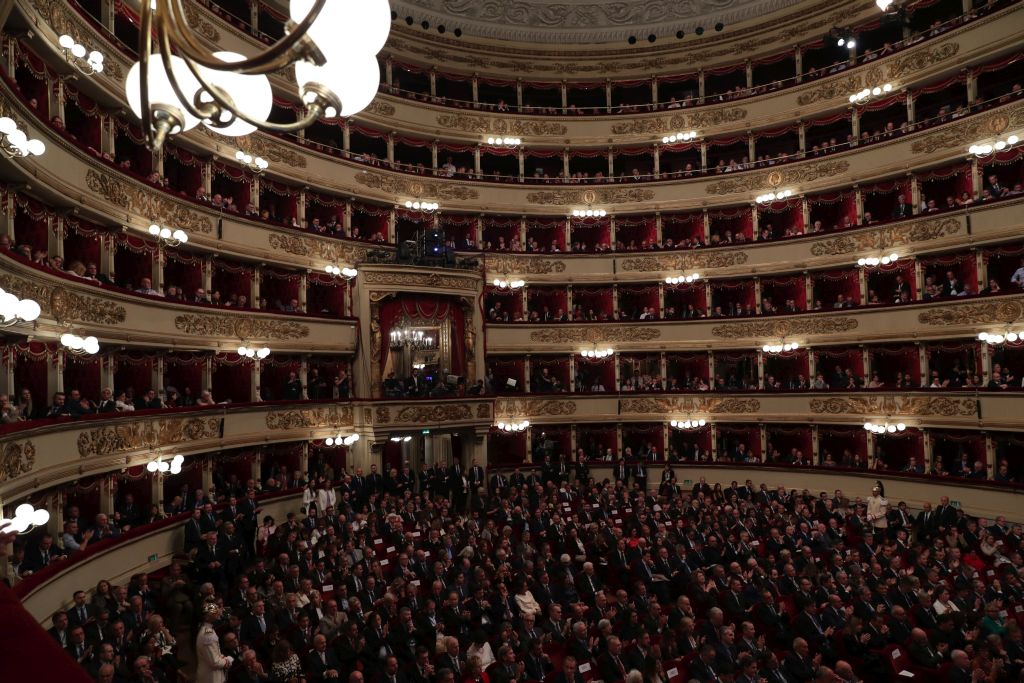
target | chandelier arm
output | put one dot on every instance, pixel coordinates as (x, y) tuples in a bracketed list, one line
[(271, 59), (153, 140)]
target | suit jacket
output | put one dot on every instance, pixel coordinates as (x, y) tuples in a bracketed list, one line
[(798, 670), (701, 671), (925, 655), (316, 666), (609, 670)]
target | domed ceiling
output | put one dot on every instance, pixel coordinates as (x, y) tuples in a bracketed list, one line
[(582, 22)]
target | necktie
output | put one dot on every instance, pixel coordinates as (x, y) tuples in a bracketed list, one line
[(263, 624)]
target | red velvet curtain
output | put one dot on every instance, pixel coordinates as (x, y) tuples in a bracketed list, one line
[(232, 378), (81, 242), (183, 269), (82, 373), (680, 297), (829, 284), (133, 370), (635, 233), (427, 308), (32, 363), (505, 449), (325, 295), (887, 361), (184, 370), (274, 371), (231, 278), (31, 223), (784, 440), (133, 260), (554, 299), (505, 369)]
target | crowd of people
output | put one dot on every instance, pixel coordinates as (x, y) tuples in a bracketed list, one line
[(458, 575)]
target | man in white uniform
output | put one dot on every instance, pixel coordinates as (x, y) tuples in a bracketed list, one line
[(213, 666), (878, 509)]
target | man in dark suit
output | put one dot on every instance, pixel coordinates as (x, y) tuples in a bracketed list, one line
[(610, 665), (961, 669), (622, 471), (80, 613), (505, 669), (703, 667), (799, 665), (59, 631), (921, 651), (902, 209), (451, 659), (40, 555), (569, 672), (322, 664)]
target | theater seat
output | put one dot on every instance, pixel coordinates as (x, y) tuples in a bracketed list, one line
[(898, 662)]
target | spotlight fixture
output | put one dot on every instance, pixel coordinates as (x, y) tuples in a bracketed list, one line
[(26, 517), (995, 338), (589, 213), (631, 40), (14, 142), (651, 38), (884, 5), (873, 261), (983, 149), (699, 30), (513, 426), (160, 465), (679, 137), (171, 238), (597, 353), (507, 283), (178, 84), (458, 33), (340, 440), (885, 427), (253, 352), (85, 62), (770, 197), (504, 142), (401, 439), (255, 164), (80, 346), (680, 34), (14, 311), (719, 27), (682, 279), (425, 207), (687, 424), (343, 271), (780, 348), (863, 95)]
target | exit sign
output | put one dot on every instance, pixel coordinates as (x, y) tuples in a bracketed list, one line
[(153, 558)]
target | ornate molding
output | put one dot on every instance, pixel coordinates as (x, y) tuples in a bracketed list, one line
[(957, 136), (685, 260), (240, 327), (483, 410), (150, 204), (912, 406), (493, 125), (903, 65), (990, 312), (605, 196), (890, 236), (702, 120), (425, 189), (382, 415), (58, 15), (407, 279), (16, 458), (435, 413), (200, 24), (331, 250), (310, 418), (595, 334), (380, 108), (523, 265), (261, 145), (777, 329), (64, 305), (147, 434), (706, 405), (518, 407), (800, 173)]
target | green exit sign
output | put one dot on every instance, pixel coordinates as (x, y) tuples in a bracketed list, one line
[(153, 558)]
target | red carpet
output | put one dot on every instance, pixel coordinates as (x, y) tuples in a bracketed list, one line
[(28, 653)]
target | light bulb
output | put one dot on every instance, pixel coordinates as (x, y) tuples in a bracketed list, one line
[(900, 426), (876, 91), (28, 310), (242, 350), (23, 510), (1013, 140), (340, 33), (1000, 145), (66, 42), (78, 50), (96, 59), (263, 352), (490, 141), (329, 441), (180, 235), (161, 93), (91, 345), (887, 87), (354, 82), (154, 229), (1011, 336), (151, 466), (165, 232)]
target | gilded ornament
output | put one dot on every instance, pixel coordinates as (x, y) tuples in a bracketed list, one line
[(325, 249), (906, 64), (523, 265), (380, 108), (492, 125), (830, 89), (261, 146), (912, 406), (408, 279), (434, 413), (688, 121), (382, 415), (534, 408), (594, 334), (310, 418), (890, 236), (394, 185), (483, 410), (146, 434), (16, 458), (604, 196), (776, 329), (240, 327), (800, 173), (690, 404), (990, 312), (959, 134), (62, 304), (685, 261), (147, 203)]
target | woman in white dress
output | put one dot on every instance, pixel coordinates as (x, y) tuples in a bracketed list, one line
[(212, 666)]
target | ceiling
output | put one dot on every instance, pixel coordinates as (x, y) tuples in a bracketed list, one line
[(581, 22)]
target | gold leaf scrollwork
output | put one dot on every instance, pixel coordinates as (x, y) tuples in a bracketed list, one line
[(911, 406), (311, 418), (312, 247), (434, 414), (953, 136), (382, 415), (262, 146), (830, 89), (594, 335), (380, 108), (990, 312), (488, 125), (685, 261), (534, 408), (604, 196), (784, 328), (800, 173), (902, 65), (146, 203), (241, 327), (16, 459), (143, 434), (690, 120), (64, 305), (891, 236), (483, 410), (703, 405), (429, 189), (469, 282), (524, 265)]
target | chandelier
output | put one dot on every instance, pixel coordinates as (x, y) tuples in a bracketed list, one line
[(511, 427), (158, 464), (405, 337), (982, 149), (401, 439), (589, 213), (80, 346), (86, 63), (885, 427), (341, 440), (508, 283), (14, 310), (688, 424), (770, 197), (14, 143), (780, 348), (864, 94), (425, 207), (679, 137), (997, 338), (26, 518), (253, 352), (331, 46), (254, 164), (504, 142), (341, 271), (682, 279), (171, 238), (873, 261), (597, 353)]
